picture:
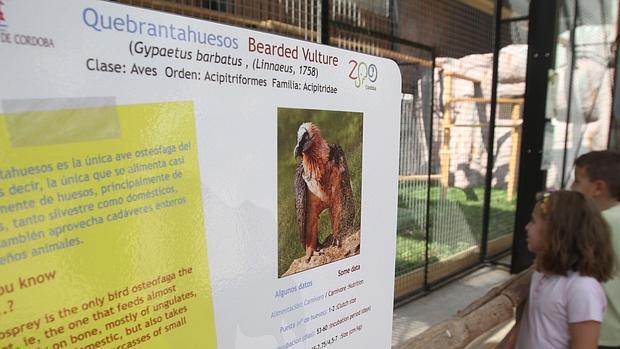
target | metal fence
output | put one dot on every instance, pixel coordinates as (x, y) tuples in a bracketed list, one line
[(444, 49)]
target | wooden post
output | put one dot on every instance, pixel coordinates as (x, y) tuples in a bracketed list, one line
[(477, 318), (513, 165), (444, 152)]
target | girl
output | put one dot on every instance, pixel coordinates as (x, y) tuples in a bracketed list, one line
[(573, 251)]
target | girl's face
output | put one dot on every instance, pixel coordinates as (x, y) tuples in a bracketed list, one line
[(535, 229)]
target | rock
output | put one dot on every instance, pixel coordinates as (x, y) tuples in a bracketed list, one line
[(350, 246), (512, 64)]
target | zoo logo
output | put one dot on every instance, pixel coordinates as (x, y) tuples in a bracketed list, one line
[(360, 71)]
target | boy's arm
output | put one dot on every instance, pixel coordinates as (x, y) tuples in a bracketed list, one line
[(584, 335)]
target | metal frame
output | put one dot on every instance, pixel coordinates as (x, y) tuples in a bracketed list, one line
[(485, 259), (540, 58), (427, 227), (488, 181), (325, 22), (570, 91)]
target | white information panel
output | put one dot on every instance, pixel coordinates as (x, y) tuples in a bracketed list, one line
[(168, 182)]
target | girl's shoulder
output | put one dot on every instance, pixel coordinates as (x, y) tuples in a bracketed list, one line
[(578, 283), (572, 282), (585, 297)]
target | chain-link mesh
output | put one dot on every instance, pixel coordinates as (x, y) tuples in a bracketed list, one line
[(300, 19)]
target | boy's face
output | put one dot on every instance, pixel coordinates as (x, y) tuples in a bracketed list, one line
[(583, 184)]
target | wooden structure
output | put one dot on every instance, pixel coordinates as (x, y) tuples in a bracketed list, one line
[(445, 155), (449, 103), (494, 308)]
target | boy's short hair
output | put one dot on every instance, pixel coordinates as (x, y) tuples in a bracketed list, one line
[(603, 166)]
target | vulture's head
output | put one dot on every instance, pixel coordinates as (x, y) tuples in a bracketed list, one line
[(307, 134)]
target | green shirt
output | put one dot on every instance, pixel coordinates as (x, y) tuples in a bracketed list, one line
[(610, 328)]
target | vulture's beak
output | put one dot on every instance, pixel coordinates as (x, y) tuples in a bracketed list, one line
[(297, 151), (303, 143)]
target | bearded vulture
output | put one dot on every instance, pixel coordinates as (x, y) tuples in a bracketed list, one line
[(321, 182)]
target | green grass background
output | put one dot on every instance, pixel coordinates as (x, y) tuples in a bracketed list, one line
[(446, 240), (344, 128)]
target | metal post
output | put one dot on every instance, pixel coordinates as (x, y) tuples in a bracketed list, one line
[(486, 206), (540, 58), (427, 226), (444, 153), (325, 22), (515, 141), (393, 20), (570, 91)]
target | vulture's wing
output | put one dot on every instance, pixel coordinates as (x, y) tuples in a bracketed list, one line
[(301, 192), (336, 154)]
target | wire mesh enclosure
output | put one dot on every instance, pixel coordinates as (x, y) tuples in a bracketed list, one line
[(580, 88)]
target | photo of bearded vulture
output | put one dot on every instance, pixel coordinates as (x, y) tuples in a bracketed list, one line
[(321, 182)]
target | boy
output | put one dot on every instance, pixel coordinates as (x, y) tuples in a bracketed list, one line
[(597, 175)]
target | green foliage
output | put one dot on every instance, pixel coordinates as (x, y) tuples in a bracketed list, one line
[(411, 232), (344, 128)]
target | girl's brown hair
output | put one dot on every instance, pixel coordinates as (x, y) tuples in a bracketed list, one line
[(576, 237)]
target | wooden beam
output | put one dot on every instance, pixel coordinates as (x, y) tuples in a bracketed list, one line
[(193, 11), (515, 139), (492, 309), (500, 125), (462, 77), (280, 27), (485, 100), (419, 177), (487, 6), (444, 151)]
